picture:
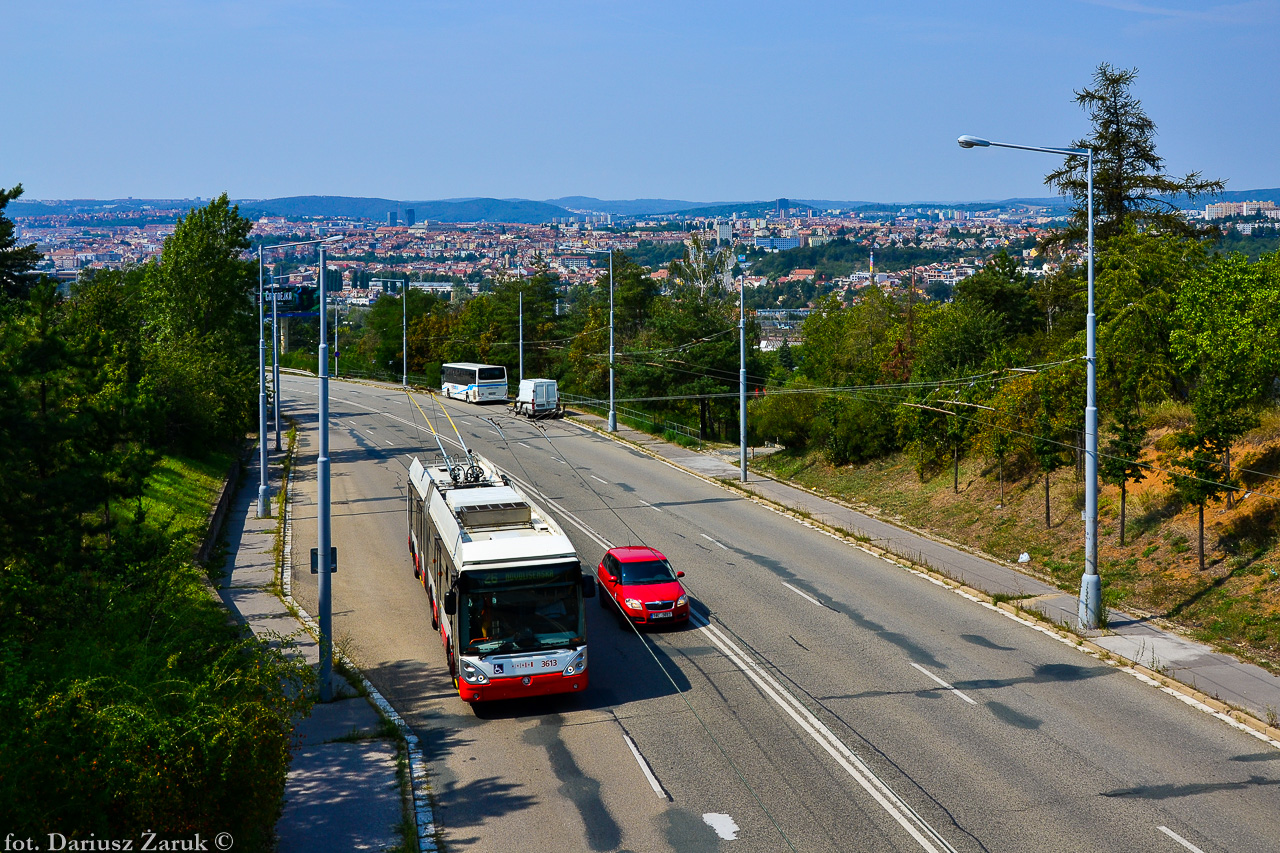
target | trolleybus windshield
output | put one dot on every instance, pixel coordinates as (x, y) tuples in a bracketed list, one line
[(510, 611)]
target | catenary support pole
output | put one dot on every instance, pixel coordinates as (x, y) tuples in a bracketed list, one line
[(275, 357), (742, 364), (1091, 583), (264, 491), (613, 412), (323, 578), (1090, 605)]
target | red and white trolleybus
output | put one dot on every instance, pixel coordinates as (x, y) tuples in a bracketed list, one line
[(506, 584)]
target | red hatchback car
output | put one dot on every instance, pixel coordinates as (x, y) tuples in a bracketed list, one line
[(641, 582)]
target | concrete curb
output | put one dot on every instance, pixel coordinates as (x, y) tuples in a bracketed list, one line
[(1236, 717), (424, 816)]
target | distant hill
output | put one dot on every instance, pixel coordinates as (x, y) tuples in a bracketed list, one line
[(70, 207), (632, 207), (532, 212), (470, 210), (1231, 195), (747, 208)]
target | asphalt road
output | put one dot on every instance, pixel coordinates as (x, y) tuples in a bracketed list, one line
[(823, 699)]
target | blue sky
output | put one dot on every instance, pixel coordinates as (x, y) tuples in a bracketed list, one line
[(701, 99)]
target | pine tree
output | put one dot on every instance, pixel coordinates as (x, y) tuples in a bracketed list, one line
[(1130, 185), (16, 262)]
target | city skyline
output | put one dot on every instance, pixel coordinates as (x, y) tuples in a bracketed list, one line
[(719, 101)]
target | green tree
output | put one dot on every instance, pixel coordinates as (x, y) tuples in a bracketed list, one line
[(701, 266), (957, 339), (1138, 279), (1130, 185), (201, 321), (785, 416), (16, 262), (1001, 288), (1228, 338), (1118, 462)]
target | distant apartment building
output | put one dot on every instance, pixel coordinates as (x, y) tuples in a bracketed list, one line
[(410, 217), (576, 262), (777, 244), (724, 231), (1223, 209)]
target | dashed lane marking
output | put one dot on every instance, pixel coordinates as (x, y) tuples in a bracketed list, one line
[(806, 596), (943, 683)]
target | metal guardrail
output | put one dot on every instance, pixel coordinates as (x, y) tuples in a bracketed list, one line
[(634, 415)]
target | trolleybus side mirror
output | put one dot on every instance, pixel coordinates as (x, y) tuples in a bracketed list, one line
[(588, 586), (450, 603), (679, 574)]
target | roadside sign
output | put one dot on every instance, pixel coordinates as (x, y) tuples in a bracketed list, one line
[(333, 560)]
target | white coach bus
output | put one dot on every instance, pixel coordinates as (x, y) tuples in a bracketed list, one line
[(475, 383)]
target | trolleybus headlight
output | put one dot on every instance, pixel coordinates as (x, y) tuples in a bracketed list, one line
[(633, 603), (682, 601), (472, 675), (578, 664)]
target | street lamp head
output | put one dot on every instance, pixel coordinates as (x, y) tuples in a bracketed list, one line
[(973, 142)]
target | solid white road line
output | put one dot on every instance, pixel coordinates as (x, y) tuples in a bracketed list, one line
[(644, 767), (522, 444), (598, 480), (709, 539), (943, 683), (803, 594), (650, 506), (925, 835), (1178, 838)]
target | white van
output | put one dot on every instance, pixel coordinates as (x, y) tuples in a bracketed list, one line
[(538, 398)]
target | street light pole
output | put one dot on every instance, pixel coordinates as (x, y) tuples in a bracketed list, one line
[(1090, 583), (521, 335), (264, 491), (613, 412), (323, 579)]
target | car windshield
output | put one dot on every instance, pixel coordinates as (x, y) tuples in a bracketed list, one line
[(521, 610), (647, 571)]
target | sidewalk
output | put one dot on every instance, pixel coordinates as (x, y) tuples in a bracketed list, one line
[(342, 792), (1217, 676)]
